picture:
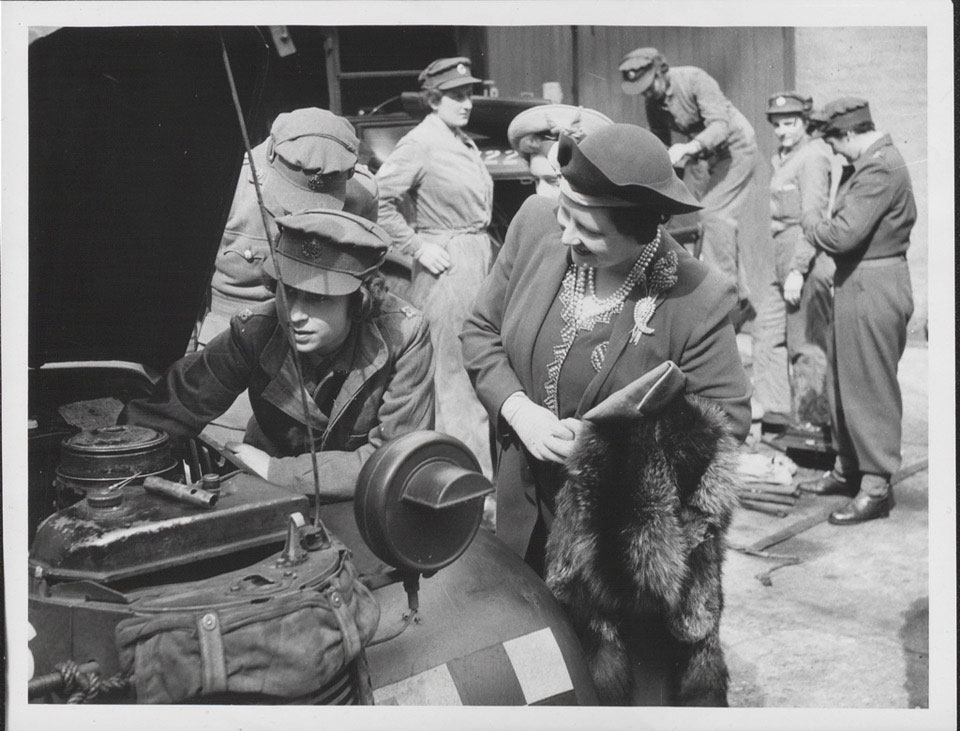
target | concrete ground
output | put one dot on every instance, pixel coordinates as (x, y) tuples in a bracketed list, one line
[(847, 626)]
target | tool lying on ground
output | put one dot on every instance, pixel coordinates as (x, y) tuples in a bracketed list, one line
[(759, 548)]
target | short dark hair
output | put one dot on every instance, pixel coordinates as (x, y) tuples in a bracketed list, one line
[(429, 97), (638, 222)]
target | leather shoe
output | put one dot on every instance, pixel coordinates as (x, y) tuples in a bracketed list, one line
[(830, 484), (863, 508)]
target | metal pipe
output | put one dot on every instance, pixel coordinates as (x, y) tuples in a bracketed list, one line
[(188, 494)]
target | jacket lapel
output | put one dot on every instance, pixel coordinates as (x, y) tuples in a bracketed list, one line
[(535, 299), (367, 356)]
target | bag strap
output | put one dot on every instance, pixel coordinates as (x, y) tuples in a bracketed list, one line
[(213, 664), (348, 625)]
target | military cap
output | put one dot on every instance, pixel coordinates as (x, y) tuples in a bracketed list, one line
[(622, 165), (306, 148), (845, 113), (534, 130), (447, 73), (638, 69), (789, 102), (326, 252)]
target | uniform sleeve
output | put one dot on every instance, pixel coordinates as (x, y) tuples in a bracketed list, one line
[(484, 355), (712, 365), (814, 182), (407, 406), (862, 206), (197, 388), (401, 172), (659, 122), (714, 109)]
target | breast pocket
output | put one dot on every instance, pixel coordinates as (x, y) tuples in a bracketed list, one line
[(785, 203), (241, 260)]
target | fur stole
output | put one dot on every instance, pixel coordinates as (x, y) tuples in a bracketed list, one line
[(638, 541)]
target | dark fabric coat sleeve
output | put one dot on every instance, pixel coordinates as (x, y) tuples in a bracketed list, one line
[(858, 212), (197, 388), (484, 355), (407, 406), (711, 361)]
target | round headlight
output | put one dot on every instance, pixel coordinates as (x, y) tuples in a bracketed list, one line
[(419, 501)]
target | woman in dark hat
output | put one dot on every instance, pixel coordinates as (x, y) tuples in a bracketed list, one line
[(365, 355), (605, 356), (437, 176)]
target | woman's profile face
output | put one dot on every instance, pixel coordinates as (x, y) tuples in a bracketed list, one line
[(454, 106), (320, 323), (593, 237)]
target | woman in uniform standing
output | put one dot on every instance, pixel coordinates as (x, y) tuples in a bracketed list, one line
[(437, 170)]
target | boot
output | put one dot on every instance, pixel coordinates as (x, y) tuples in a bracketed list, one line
[(833, 483), (862, 508)]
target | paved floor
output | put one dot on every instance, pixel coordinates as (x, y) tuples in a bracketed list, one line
[(846, 627)]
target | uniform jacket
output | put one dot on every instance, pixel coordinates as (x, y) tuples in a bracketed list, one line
[(379, 385), (874, 212), (696, 107), (691, 328), (800, 182), (446, 180)]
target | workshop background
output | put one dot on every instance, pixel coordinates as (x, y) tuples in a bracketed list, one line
[(886, 65)]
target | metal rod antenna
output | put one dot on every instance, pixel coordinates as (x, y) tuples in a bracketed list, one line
[(281, 292)]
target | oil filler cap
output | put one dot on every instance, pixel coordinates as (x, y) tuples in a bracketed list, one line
[(419, 501)]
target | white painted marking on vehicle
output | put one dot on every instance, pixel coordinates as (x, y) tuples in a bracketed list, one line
[(433, 687), (539, 665)]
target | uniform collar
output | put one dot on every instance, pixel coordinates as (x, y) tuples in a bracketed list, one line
[(868, 154), (434, 120)]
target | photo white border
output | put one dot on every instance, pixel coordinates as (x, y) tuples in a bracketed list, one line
[(936, 16)]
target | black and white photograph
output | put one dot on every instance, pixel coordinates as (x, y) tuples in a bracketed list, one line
[(483, 365)]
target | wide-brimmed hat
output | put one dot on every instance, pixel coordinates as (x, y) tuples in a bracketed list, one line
[(305, 156), (623, 165), (447, 73), (638, 69), (789, 102), (843, 114), (327, 252)]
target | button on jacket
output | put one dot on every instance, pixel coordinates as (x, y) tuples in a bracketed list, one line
[(381, 383)]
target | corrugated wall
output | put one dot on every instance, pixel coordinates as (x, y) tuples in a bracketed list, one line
[(748, 63)]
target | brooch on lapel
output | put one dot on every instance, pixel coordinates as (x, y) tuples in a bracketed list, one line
[(663, 275)]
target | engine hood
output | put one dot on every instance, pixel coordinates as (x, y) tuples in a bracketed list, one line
[(135, 150)]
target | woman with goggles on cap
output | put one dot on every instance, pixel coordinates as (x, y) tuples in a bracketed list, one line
[(605, 355), (366, 359), (437, 171)]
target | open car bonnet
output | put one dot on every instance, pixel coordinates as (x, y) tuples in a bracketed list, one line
[(135, 149)]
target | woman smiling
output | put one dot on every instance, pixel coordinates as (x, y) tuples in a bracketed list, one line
[(604, 354)]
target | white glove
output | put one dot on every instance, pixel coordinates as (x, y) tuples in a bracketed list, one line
[(433, 258), (792, 287), (543, 434), (681, 152)]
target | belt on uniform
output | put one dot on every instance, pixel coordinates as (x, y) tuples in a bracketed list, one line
[(454, 231), (883, 261)]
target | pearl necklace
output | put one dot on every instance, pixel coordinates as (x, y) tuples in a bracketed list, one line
[(588, 309)]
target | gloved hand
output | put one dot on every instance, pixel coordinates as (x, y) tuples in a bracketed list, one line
[(681, 152), (433, 258), (543, 434), (792, 287), (256, 460)]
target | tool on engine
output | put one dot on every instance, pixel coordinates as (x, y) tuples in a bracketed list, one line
[(189, 494)]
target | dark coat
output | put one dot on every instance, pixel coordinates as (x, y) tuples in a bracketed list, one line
[(691, 328), (636, 551)]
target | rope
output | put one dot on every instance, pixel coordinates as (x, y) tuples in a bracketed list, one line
[(85, 687)]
